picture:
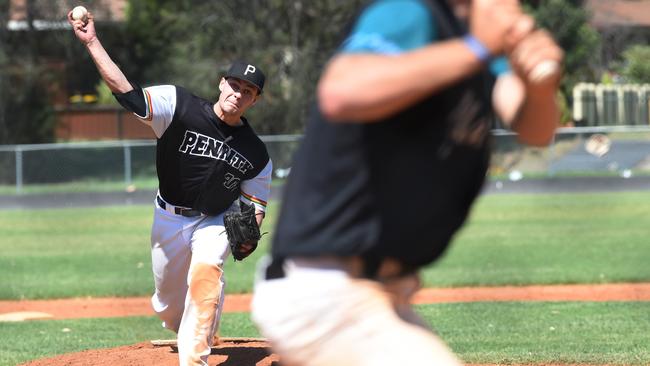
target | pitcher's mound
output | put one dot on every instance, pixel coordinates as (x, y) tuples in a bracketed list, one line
[(19, 316), (228, 353)]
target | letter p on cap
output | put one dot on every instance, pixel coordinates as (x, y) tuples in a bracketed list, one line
[(249, 68)]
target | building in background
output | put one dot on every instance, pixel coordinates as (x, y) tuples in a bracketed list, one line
[(71, 78), (620, 23), (50, 14)]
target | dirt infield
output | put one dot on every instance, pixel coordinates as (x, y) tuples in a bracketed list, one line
[(140, 306), (226, 354), (256, 353)]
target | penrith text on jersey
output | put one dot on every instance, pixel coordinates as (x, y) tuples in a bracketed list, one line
[(201, 145)]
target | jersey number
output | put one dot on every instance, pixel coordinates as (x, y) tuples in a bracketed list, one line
[(231, 182)]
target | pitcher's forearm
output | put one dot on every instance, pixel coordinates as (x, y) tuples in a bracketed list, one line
[(112, 75), (259, 216)]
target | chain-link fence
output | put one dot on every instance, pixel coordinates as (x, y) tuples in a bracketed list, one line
[(121, 164), (627, 154), (100, 163)]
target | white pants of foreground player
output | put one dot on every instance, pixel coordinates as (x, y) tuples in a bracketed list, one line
[(187, 255), (319, 315)]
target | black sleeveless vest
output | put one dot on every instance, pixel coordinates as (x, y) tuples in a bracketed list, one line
[(397, 188)]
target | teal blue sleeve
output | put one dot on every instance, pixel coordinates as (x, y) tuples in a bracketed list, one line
[(391, 27), (499, 66), (395, 26)]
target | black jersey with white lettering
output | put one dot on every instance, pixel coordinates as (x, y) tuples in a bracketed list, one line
[(396, 188), (202, 162)]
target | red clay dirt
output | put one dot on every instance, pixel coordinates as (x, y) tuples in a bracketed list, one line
[(140, 306), (256, 353), (239, 354)]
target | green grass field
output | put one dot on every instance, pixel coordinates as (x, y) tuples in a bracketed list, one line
[(550, 239), (496, 333), (509, 239)]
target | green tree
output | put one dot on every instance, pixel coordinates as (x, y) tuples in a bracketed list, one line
[(636, 64), (25, 112), (32, 70), (191, 43), (567, 21), (4, 63)]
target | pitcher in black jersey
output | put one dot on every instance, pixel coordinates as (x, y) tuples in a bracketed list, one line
[(207, 158), (395, 152)]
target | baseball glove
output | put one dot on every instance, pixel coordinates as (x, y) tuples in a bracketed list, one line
[(241, 228)]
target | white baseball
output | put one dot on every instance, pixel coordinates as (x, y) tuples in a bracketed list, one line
[(598, 145), (79, 13), (544, 70)]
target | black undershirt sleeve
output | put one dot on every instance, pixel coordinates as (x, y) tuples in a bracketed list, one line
[(133, 100)]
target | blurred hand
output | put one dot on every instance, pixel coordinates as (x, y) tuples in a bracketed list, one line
[(247, 247), (85, 31), (491, 21), (527, 47)]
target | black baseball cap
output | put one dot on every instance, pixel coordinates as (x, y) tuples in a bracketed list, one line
[(246, 71)]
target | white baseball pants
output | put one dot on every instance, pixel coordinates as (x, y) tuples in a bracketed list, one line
[(188, 254), (319, 315)]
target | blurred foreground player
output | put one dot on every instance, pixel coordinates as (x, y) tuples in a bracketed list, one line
[(394, 155)]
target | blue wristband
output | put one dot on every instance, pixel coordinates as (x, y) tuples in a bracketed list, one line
[(478, 49)]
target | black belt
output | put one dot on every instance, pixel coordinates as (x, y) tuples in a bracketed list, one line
[(370, 270), (187, 212), (275, 269)]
